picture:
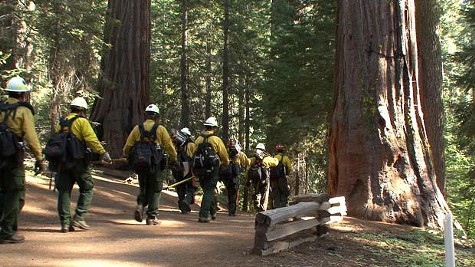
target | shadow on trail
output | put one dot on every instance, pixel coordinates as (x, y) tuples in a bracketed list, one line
[(117, 239)]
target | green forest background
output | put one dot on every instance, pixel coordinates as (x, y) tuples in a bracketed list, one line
[(281, 54)]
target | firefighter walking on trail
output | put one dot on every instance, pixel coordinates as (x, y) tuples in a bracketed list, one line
[(230, 175), (186, 190), (280, 190), (209, 154), (77, 169), (258, 176), (144, 149), (18, 123)]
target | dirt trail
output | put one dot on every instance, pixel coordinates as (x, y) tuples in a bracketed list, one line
[(116, 239)]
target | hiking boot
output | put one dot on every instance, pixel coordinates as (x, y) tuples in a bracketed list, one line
[(213, 216), (67, 228), (185, 207), (152, 221), (138, 214), (80, 223), (203, 220), (12, 239)]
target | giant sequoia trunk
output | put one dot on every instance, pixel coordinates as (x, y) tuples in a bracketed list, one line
[(379, 152), (430, 82), (124, 86)]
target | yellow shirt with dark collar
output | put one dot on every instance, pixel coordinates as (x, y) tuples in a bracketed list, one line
[(163, 139), (267, 161), (285, 161), (23, 125), (217, 145), (82, 129)]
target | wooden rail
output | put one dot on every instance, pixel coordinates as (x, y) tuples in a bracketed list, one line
[(303, 221)]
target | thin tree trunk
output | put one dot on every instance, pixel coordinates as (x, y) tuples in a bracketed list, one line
[(124, 86), (241, 123), (185, 94), (225, 132), (208, 79), (379, 153), (14, 45)]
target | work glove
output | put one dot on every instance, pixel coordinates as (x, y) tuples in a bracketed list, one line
[(40, 167), (105, 157)]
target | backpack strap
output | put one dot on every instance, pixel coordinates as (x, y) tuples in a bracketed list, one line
[(205, 137), (151, 135), (9, 108), (65, 124)]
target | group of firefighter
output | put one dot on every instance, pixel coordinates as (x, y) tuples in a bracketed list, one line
[(179, 145), (235, 168)]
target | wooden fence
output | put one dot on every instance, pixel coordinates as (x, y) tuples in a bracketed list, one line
[(303, 221)]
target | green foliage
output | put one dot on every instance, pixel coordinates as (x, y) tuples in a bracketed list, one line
[(297, 89), (459, 106)]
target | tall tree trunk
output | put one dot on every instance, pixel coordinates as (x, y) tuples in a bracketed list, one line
[(124, 86), (8, 33), (56, 69), (378, 148), (208, 76), (241, 123), (185, 94), (14, 45), (225, 132), (430, 82), (247, 101)]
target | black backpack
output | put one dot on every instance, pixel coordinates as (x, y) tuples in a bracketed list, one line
[(146, 155), (258, 172), (279, 170), (64, 148), (204, 159), (10, 145)]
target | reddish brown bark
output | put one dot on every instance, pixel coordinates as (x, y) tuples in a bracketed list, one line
[(430, 82), (124, 86), (378, 145)]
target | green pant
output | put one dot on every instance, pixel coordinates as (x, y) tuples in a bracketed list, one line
[(208, 184), (232, 186), (65, 181), (12, 187), (261, 194), (279, 192), (151, 185)]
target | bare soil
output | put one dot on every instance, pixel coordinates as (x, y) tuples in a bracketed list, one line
[(116, 239)]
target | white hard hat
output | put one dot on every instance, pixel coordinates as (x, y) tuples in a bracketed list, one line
[(152, 108), (79, 102), (17, 84), (186, 131), (211, 121), (261, 146)]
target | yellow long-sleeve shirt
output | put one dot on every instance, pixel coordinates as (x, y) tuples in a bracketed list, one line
[(267, 161), (21, 122), (285, 160), (163, 139), (217, 145), (242, 160), (190, 148), (82, 129)]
